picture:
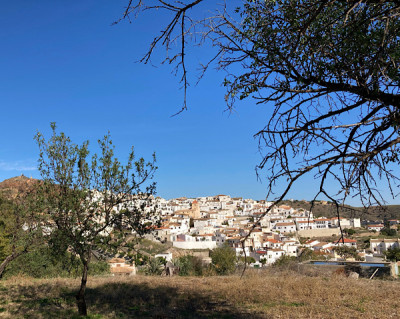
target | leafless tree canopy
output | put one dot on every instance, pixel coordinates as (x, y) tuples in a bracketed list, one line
[(328, 69)]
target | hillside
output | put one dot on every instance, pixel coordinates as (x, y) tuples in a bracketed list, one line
[(329, 210), (16, 185)]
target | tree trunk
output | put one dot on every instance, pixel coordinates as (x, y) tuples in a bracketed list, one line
[(6, 261), (80, 297)]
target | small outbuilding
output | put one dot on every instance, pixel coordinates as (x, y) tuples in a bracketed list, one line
[(119, 267)]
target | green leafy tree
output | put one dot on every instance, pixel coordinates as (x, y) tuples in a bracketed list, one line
[(388, 231), (393, 254), (347, 252), (189, 265), (21, 226), (43, 262), (349, 231), (329, 71), (93, 203), (224, 260)]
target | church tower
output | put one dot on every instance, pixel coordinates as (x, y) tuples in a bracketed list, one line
[(195, 211)]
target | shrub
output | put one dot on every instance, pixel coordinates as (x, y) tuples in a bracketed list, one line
[(308, 254), (248, 260), (349, 231), (224, 260), (388, 232), (153, 267), (42, 263), (393, 254), (284, 260), (347, 252), (189, 265)]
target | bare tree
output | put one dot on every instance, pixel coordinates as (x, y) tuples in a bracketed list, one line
[(329, 72)]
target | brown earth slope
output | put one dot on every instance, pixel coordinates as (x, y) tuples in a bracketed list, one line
[(329, 210), (16, 185)]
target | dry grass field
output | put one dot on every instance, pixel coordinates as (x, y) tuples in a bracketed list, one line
[(263, 294)]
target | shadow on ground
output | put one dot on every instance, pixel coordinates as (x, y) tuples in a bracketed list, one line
[(141, 301), (121, 300)]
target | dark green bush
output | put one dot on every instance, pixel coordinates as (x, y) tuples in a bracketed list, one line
[(189, 265), (42, 263), (224, 260)]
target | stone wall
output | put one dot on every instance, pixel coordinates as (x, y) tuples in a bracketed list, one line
[(323, 232), (195, 244)]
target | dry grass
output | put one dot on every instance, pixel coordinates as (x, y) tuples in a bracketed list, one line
[(264, 294)]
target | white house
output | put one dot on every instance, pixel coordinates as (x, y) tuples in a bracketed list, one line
[(118, 266), (305, 224), (270, 255), (376, 227), (285, 227), (379, 246), (355, 223), (347, 242), (322, 222)]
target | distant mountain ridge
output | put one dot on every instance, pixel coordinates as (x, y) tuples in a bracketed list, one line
[(327, 209)]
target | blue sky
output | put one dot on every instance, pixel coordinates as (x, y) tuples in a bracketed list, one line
[(64, 62)]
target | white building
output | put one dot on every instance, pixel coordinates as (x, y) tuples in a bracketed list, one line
[(285, 227), (271, 255), (376, 227), (379, 246)]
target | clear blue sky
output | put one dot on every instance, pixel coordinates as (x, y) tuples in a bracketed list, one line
[(63, 62)]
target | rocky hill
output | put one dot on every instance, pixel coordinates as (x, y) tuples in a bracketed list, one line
[(16, 185)]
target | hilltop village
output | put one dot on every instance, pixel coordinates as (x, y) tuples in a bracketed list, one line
[(205, 223), (210, 222)]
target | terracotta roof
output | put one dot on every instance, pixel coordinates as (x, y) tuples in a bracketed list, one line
[(261, 252), (348, 240), (274, 241)]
